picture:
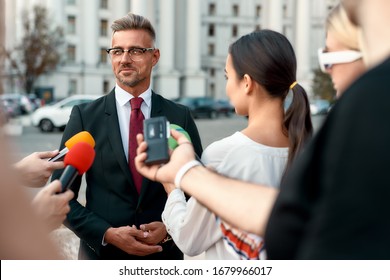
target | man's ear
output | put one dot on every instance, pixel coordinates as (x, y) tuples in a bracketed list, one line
[(156, 56)]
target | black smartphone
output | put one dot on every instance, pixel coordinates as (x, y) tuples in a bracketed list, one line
[(156, 134)]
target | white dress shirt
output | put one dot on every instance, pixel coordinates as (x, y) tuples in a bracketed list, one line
[(122, 98)]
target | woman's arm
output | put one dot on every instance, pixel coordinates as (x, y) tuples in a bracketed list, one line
[(244, 205)]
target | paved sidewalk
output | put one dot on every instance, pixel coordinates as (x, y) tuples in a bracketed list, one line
[(14, 127)]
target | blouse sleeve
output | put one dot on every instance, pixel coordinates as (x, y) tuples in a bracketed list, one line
[(193, 228)]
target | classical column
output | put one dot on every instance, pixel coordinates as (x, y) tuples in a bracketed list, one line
[(89, 59), (120, 9), (167, 78), (144, 8), (302, 43), (194, 79), (275, 15), (90, 27)]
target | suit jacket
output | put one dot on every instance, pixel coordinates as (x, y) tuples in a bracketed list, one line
[(334, 202), (111, 197)]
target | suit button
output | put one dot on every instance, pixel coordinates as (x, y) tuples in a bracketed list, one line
[(139, 211)]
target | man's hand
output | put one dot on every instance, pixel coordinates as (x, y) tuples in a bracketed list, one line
[(127, 239), (154, 233)]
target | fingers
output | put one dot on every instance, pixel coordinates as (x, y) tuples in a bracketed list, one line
[(56, 164), (178, 136), (140, 138), (142, 249), (54, 187), (47, 154), (68, 195)]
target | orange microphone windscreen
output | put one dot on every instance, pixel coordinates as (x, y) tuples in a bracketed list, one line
[(83, 136)]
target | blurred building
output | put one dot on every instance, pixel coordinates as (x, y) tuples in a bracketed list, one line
[(193, 37)]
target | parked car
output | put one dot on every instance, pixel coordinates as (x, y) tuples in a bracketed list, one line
[(224, 107), (20, 103), (35, 101), (200, 106), (56, 115), (319, 107), (10, 109)]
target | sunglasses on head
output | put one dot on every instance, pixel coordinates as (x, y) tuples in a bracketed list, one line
[(327, 59)]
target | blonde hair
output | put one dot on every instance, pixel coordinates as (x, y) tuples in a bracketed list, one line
[(343, 29)]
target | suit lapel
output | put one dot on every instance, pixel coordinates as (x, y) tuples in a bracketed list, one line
[(114, 136)]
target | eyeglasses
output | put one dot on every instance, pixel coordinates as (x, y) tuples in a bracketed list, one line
[(327, 59), (136, 54)]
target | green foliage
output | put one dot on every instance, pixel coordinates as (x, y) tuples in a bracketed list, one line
[(39, 49), (322, 86)]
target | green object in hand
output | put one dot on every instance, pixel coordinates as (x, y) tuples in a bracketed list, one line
[(172, 143)]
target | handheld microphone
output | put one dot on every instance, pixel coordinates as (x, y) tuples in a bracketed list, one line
[(83, 136), (77, 161)]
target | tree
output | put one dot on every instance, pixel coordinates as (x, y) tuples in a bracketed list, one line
[(39, 50), (322, 86)]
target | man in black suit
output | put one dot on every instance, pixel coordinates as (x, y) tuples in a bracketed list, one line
[(118, 222)]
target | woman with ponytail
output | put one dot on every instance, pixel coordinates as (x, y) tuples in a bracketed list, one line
[(260, 72)]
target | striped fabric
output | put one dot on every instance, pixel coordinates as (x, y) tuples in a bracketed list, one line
[(248, 246)]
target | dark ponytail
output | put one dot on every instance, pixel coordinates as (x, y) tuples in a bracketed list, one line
[(268, 58), (297, 121)]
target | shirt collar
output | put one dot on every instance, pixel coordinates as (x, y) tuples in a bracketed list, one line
[(123, 97)]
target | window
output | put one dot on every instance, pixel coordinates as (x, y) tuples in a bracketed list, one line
[(258, 11), (212, 72), (103, 28), (234, 30), (71, 2), (236, 10), (211, 49), (104, 4), (211, 30), (212, 9), (71, 25), (212, 89), (258, 27), (103, 56), (71, 53), (285, 11), (72, 87), (106, 86)]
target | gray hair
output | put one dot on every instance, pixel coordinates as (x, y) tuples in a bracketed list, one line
[(132, 21)]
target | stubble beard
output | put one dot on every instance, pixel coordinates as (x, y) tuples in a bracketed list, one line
[(129, 81)]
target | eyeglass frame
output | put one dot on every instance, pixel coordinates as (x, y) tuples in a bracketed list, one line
[(328, 59), (143, 50)]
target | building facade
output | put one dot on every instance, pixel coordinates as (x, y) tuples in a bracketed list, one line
[(193, 37)]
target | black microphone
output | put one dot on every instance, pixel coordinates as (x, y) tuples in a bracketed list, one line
[(77, 161)]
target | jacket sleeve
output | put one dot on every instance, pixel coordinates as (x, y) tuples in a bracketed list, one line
[(192, 130), (80, 220), (193, 228)]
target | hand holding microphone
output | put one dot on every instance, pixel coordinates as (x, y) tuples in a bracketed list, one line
[(83, 136), (77, 161)]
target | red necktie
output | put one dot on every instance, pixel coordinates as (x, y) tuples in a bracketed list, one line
[(136, 126)]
